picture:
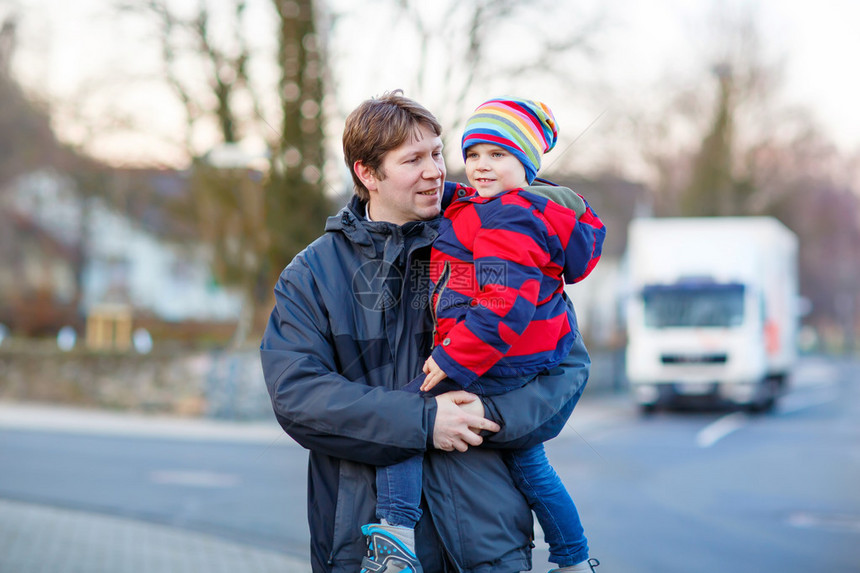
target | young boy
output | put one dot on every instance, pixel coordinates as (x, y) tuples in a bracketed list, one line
[(498, 269)]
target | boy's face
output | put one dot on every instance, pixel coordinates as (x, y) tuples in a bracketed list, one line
[(492, 169), (408, 185)]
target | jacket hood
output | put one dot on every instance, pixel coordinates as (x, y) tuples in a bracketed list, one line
[(350, 221), (564, 196)]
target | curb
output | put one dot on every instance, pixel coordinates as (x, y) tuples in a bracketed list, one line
[(55, 418)]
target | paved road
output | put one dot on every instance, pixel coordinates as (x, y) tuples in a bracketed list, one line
[(725, 491), (694, 491), (238, 481)]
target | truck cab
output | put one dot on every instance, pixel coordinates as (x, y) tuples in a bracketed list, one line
[(708, 316)]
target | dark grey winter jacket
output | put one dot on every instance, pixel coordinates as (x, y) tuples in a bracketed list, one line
[(350, 326)]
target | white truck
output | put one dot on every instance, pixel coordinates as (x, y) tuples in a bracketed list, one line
[(712, 311)]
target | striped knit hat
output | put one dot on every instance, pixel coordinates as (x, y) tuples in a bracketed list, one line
[(524, 127)]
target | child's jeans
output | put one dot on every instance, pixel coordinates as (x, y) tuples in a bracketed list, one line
[(398, 486), (553, 506), (398, 494)]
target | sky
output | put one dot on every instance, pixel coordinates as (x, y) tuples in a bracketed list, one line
[(821, 42), (68, 48), (644, 42)]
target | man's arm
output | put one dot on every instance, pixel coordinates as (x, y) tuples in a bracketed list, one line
[(539, 410), (325, 412)]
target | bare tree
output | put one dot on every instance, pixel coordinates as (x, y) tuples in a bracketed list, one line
[(749, 155), (27, 141), (296, 202), (461, 52), (207, 72), (254, 214)]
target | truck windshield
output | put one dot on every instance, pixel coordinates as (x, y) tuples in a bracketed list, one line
[(694, 305)]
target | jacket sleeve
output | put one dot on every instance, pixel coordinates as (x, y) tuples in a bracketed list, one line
[(449, 192), (582, 236), (539, 410), (317, 406), (508, 258), (584, 245)]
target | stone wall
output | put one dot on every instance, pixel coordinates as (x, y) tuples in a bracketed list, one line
[(216, 384)]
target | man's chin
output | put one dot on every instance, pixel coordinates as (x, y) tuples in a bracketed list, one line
[(431, 212)]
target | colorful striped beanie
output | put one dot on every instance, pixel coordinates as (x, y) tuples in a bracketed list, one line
[(524, 127)]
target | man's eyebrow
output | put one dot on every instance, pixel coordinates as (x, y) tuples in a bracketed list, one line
[(402, 152)]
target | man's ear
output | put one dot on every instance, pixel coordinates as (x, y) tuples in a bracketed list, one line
[(365, 174)]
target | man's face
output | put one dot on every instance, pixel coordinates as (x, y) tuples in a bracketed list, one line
[(492, 169), (408, 185)]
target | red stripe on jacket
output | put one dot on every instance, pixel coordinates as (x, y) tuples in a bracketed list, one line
[(510, 320)]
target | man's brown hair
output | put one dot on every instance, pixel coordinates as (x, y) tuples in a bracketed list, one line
[(379, 125)]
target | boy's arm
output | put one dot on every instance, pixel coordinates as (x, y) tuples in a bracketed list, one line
[(539, 410), (452, 190), (583, 246), (582, 238)]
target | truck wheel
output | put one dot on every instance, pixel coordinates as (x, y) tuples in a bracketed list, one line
[(647, 409), (771, 389), (763, 406)]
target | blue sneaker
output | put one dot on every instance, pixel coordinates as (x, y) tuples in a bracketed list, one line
[(386, 553)]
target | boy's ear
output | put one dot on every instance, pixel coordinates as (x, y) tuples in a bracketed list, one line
[(365, 174)]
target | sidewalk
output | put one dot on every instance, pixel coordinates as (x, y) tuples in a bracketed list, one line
[(55, 418), (35, 539)]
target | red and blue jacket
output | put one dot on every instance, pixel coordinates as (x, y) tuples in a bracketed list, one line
[(497, 270)]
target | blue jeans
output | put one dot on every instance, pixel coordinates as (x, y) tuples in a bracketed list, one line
[(553, 506), (398, 486), (398, 493)]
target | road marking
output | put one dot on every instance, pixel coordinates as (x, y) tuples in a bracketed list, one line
[(832, 522), (716, 431), (193, 478)]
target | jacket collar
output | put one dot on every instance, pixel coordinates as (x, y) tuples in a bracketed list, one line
[(352, 222)]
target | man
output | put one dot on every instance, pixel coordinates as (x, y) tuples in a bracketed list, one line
[(351, 325)]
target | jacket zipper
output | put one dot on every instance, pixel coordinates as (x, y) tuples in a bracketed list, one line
[(438, 290)]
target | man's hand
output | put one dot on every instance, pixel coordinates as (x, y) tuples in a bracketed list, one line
[(457, 427), (476, 408), (434, 374)]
